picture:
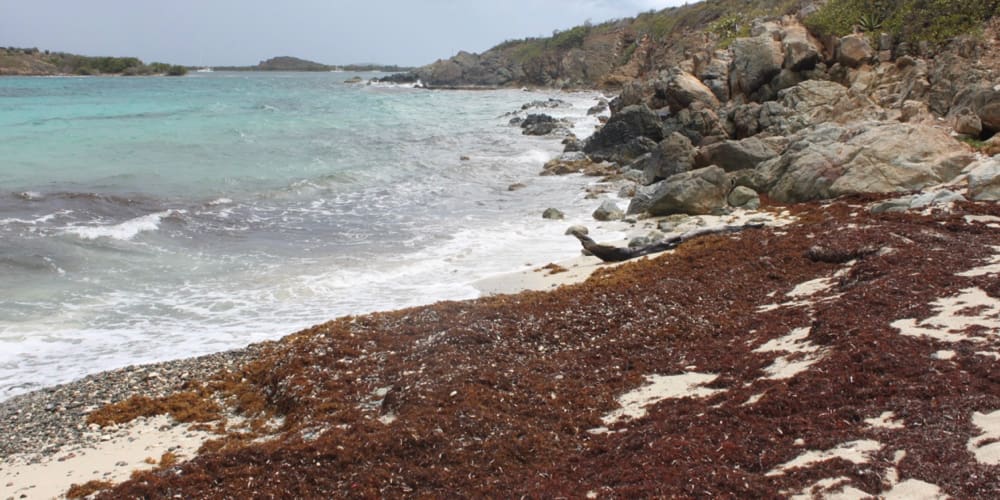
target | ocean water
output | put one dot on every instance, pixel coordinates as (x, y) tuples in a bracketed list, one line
[(144, 219)]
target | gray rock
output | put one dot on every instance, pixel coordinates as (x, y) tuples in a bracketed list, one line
[(697, 192), (572, 145), (854, 50), (673, 155), (598, 108), (755, 62), (893, 205), (744, 197), (697, 122), (736, 155), (577, 229), (987, 107), (984, 179), (550, 103), (678, 89), (608, 211), (941, 197), (968, 124), (643, 241), (831, 160), (802, 52), (553, 214)]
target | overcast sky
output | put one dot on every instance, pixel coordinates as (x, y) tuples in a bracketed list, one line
[(244, 32)]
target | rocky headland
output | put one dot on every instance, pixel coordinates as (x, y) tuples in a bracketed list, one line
[(846, 349)]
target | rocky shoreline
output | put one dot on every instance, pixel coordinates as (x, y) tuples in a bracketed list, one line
[(850, 352)]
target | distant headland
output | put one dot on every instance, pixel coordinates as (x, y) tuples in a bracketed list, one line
[(288, 63), (16, 61), (34, 62)]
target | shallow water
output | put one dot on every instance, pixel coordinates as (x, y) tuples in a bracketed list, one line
[(144, 219)]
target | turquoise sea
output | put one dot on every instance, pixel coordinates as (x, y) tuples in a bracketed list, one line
[(144, 219)]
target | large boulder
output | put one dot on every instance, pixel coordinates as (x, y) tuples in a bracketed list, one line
[(854, 50), (696, 122), (831, 160), (625, 126), (755, 62), (713, 71), (673, 155), (736, 155), (698, 192), (678, 89), (987, 108), (802, 52), (984, 179)]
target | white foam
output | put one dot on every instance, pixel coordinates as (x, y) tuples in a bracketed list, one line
[(124, 231)]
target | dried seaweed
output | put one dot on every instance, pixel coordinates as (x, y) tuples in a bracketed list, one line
[(497, 396)]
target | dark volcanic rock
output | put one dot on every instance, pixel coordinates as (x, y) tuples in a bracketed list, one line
[(538, 124), (624, 128), (672, 156), (755, 62)]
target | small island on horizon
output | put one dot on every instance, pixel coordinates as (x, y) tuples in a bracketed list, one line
[(15, 61)]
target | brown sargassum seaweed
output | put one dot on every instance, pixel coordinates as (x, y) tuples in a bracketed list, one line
[(494, 397)]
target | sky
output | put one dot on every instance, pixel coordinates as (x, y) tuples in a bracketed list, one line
[(245, 32)]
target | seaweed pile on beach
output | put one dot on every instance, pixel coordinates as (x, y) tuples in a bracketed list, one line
[(710, 371)]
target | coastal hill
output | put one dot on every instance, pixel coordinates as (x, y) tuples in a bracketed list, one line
[(35, 62), (288, 63), (846, 346), (613, 53)]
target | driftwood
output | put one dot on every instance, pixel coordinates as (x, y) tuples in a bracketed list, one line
[(609, 253)]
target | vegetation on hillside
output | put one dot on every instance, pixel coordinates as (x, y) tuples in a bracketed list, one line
[(910, 21), (34, 61), (728, 19), (287, 63)]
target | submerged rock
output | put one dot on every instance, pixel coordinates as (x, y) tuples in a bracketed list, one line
[(539, 124), (553, 214), (608, 211)]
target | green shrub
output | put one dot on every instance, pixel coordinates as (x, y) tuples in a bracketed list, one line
[(911, 21), (571, 38), (177, 70), (730, 28)]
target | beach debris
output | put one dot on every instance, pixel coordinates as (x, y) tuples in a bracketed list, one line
[(610, 253)]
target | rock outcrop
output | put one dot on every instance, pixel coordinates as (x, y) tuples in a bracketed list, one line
[(831, 160), (697, 192), (626, 135)]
